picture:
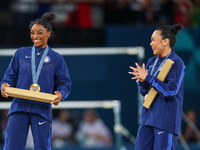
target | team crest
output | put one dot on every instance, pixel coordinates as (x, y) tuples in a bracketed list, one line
[(47, 59)]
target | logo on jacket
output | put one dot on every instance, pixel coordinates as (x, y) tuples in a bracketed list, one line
[(161, 132), (40, 123), (47, 59), (27, 56)]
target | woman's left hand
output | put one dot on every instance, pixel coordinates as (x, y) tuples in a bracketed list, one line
[(139, 72), (57, 100)]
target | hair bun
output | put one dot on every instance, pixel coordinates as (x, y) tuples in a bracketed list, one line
[(176, 28), (49, 17)]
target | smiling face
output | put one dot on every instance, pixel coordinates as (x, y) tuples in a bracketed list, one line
[(39, 35), (157, 43)]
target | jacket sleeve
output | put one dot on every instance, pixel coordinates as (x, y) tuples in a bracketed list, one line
[(11, 74), (172, 83), (143, 87), (62, 78)]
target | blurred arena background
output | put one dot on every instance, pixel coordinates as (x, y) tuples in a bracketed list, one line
[(103, 24)]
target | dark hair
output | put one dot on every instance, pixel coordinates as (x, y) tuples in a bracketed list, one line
[(170, 33), (45, 20)]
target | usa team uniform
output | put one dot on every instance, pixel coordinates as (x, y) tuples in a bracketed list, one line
[(160, 124), (54, 75)]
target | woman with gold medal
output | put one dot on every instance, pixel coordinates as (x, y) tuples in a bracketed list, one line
[(37, 68)]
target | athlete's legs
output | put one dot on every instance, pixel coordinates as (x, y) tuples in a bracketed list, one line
[(41, 130), (164, 140), (16, 132), (145, 138)]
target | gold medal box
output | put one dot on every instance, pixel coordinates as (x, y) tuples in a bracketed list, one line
[(161, 76), (31, 95)]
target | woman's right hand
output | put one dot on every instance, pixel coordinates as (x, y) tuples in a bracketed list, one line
[(3, 90)]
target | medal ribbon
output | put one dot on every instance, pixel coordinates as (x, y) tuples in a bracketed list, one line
[(35, 73), (152, 70)]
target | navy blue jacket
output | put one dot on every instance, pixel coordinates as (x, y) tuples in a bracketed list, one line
[(166, 111), (54, 73)]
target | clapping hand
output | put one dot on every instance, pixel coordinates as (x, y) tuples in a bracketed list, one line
[(139, 72)]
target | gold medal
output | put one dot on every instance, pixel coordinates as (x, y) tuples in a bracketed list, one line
[(35, 87)]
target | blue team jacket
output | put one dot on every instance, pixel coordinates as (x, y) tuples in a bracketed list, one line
[(166, 110), (54, 73)]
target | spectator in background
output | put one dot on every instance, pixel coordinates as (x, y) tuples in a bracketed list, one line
[(92, 132), (25, 11), (195, 17), (44, 6), (137, 10), (62, 9), (115, 11), (182, 12), (166, 13), (141, 12), (88, 14), (188, 134), (63, 129)]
